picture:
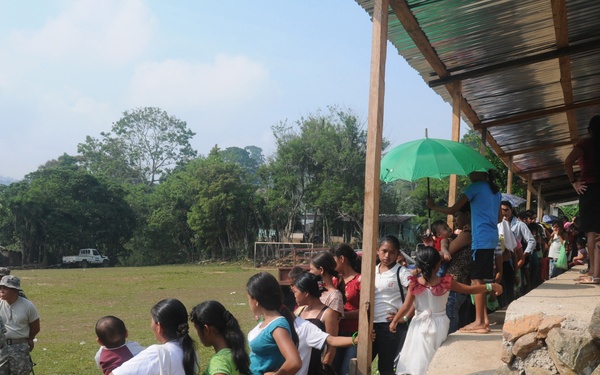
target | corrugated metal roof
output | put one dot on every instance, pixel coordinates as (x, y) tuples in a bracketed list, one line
[(526, 69)]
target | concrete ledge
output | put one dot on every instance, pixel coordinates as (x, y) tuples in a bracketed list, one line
[(466, 353)]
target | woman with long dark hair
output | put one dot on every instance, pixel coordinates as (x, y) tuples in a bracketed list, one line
[(176, 354), (273, 342), (218, 328), (323, 264), (307, 292), (348, 267), (587, 154)]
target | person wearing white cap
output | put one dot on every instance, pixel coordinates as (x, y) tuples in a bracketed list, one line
[(22, 323)]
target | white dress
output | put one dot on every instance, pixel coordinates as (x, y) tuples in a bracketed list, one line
[(428, 329)]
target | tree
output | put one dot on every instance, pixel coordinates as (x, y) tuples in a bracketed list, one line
[(250, 158), (222, 216), (141, 147), (318, 168), (61, 208)]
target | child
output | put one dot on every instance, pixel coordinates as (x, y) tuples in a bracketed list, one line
[(582, 255), (348, 266), (443, 235), (312, 337), (114, 347), (176, 353), (554, 249), (216, 327), (390, 279), (274, 340), (429, 328), (323, 264), (307, 293)]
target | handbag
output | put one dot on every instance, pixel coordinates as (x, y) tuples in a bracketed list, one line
[(561, 261)]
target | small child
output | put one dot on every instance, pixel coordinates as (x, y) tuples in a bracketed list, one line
[(429, 328), (114, 347), (443, 235), (556, 242), (582, 254)]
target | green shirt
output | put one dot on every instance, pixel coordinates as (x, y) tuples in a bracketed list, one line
[(221, 363)]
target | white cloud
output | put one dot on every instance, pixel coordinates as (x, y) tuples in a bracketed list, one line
[(107, 31), (228, 82)]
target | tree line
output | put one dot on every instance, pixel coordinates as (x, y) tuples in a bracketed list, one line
[(142, 195)]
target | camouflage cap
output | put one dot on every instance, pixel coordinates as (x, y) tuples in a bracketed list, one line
[(11, 281), (4, 271)]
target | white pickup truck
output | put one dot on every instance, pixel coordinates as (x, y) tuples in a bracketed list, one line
[(86, 257)]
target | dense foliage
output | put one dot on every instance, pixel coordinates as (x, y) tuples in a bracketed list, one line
[(141, 195)]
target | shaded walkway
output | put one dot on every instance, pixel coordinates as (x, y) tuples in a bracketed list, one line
[(466, 353)]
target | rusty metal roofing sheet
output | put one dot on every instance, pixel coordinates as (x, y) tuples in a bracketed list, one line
[(521, 77)]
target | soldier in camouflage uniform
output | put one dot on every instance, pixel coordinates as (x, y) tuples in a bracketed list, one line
[(22, 323)]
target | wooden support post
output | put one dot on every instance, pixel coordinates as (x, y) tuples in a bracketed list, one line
[(509, 179), (540, 210), (372, 182), (456, 100), (483, 141), (529, 187)]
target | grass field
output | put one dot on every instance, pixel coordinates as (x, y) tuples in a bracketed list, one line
[(70, 301)]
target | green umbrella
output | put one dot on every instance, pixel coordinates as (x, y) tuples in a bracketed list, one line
[(430, 157)]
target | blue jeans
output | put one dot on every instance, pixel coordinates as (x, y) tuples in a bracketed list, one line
[(455, 301), (387, 345), (341, 362)]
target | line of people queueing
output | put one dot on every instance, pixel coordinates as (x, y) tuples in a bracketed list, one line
[(324, 301)]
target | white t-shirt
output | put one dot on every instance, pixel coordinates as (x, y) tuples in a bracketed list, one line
[(17, 317), (309, 336), (147, 361), (387, 292), (554, 249)]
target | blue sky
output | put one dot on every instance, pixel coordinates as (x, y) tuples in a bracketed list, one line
[(230, 69)]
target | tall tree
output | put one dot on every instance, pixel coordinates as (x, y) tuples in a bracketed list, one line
[(222, 215), (61, 208), (318, 168), (143, 145)]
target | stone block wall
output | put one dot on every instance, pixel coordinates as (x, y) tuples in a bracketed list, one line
[(543, 344)]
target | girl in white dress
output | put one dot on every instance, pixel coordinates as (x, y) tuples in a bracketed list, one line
[(429, 327)]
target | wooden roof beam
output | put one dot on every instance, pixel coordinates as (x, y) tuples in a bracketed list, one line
[(537, 148), (515, 63), (402, 11), (561, 30), (550, 167), (525, 116)]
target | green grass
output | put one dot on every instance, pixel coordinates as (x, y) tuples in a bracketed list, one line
[(70, 301)]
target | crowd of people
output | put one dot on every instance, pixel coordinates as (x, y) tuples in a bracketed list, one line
[(495, 254)]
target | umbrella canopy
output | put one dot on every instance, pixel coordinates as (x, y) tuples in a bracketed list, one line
[(550, 219), (431, 157), (514, 200)]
